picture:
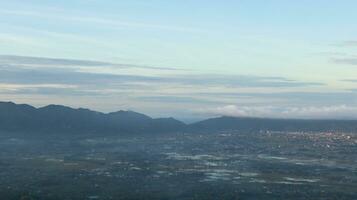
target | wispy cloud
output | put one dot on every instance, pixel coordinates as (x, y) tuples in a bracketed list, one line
[(348, 43), (350, 80), (241, 81), (176, 91), (27, 60), (346, 60), (175, 99), (25, 69), (102, 21), (45, 89), (21, 86), (59, 62)]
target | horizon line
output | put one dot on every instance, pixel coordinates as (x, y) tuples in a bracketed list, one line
[(209, 118)]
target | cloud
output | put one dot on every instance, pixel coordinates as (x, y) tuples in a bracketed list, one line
[(21, 86), (350, 80), (60, 76), (22, 69), (241, 81), (9, 74), (48, 89), (349, 43), (110, 23), (345, 61), (312, 98), (309, 112), (233, 110), (175, 99), (56, 80), (27, 61)]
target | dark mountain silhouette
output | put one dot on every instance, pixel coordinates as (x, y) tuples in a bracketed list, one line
[(61, 119), (57, 118)]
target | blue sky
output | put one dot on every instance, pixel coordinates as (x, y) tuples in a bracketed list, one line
[(183, 58)]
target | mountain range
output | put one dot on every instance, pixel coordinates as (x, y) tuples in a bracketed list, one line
[(58, 118)]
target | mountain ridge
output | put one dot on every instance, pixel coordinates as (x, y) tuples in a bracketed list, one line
[(59, 118), (55, 118)]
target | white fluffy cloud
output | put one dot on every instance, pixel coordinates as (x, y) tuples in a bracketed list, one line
[(310, 112)]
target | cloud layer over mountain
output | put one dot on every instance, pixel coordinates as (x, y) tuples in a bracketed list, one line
[(158, 91)]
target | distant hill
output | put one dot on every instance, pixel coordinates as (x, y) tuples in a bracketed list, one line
[(263, 124), (61, 119), (57, 118)]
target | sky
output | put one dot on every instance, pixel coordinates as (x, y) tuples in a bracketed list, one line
[(189, 59)]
